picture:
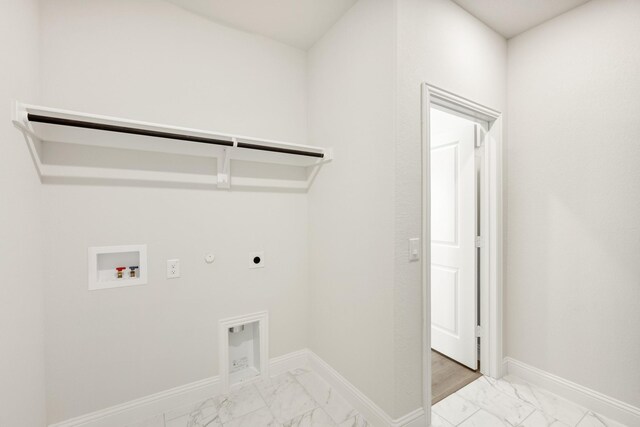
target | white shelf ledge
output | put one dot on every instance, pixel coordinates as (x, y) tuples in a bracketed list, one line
[(49, 126)]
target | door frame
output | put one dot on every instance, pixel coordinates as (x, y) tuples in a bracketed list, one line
[(491, 258)]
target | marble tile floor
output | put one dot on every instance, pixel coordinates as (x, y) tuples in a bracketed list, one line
[(299, 398), (511, 402)]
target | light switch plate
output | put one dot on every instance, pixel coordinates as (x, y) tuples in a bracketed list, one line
[(414, 249)]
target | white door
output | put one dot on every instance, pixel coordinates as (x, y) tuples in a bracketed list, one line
[(453, 250)]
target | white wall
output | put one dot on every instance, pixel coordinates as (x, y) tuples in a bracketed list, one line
[(440, 44), (351, 108), (22, 396), (572, 287), (153, 61), (364, 95)]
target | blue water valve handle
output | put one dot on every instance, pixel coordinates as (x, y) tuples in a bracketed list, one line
[(133, 269)]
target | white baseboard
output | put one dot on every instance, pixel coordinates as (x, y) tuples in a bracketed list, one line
[(416, 418), (372, 412), (149, 406), (152, 405), (590, 399), (288, 362)]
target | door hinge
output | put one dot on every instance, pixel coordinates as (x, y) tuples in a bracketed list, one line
[(478, 331), (479, 242)]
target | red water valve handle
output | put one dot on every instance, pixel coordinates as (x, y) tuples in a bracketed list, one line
[(120, 268)]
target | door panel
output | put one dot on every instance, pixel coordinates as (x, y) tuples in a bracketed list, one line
[(444, 315), (453, 251), (444, 163)]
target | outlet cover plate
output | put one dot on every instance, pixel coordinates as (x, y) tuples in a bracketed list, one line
[(173, 268)]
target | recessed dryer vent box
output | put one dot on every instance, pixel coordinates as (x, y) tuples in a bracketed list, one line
[(104, 262), (244, 348)]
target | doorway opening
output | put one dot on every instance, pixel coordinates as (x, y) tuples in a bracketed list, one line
[(462, 243), (456, 206)]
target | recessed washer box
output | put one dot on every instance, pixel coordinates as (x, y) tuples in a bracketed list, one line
[(105, 260)]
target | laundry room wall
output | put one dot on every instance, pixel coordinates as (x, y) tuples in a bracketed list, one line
[(155, 62), (351, 87), (441, 44), (572, 289), (22, 378)]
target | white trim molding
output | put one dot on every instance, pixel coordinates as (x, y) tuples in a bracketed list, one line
[(152, 405), (288, 362), (592, 400)]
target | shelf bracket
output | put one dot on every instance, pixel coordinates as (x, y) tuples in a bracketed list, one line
[(20, 121), (224, 167)]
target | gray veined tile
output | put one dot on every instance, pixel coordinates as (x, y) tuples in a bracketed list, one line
[(239, 402), (317, 388), (454, 409), (519, 390), (260, 418), (357, 421), (338, 408), (183, 421), (596, 420), (335, 405), (483, 418), (483, 394), (157, 421), (204, 413), (299, 371), (540, 419), (269, 388), (314, 418), (549, 403), (285, 397), (216, 410), (438, 421)]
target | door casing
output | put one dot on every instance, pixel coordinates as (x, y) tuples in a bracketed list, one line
[(491, 254)]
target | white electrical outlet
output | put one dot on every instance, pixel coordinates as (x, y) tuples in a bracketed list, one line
[(173, 268)]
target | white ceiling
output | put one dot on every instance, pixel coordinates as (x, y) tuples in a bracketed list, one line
[(298, 23), (512, 17)]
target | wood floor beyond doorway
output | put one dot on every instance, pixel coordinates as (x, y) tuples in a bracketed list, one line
[(448, 376)]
